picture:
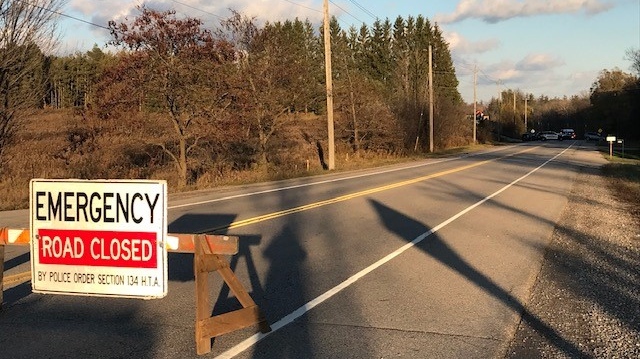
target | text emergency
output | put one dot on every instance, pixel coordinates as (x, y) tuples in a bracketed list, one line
[(106, 207), (98, 248)]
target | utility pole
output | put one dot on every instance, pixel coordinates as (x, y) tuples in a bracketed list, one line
[(430, 98), (499, 99), (514, 107), (475, 106), (525, 112), (327, 60)]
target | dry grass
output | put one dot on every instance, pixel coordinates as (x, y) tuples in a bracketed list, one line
[(624, 178), (66, 144)]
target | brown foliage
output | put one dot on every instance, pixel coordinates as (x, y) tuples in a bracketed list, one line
[(176, 70)]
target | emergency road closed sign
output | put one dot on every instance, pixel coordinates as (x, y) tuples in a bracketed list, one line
[(101, 238)]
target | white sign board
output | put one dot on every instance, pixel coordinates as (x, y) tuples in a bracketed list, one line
[(611, 138), (99, 238)]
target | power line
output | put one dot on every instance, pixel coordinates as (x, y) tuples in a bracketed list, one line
[(365, 10), (201, 10), (303, 6), (65, 15), (348, 13)]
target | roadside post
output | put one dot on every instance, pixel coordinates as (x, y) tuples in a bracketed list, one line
[(621, 142), (1, 275), (611, 140)]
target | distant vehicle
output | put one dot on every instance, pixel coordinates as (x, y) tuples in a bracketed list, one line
[(568, 133), (529, 136), (549, 135), (592, 136)]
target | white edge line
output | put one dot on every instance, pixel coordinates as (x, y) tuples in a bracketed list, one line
[(289, 318), (327, 181)]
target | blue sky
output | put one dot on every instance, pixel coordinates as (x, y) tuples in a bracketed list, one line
[(544, 47)]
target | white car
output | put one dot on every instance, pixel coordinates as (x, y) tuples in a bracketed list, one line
[(592, 136), (549, 135)]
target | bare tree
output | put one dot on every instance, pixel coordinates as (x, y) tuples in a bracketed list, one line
[(27, 30), (175, 68), (278, 67), (633, 55)]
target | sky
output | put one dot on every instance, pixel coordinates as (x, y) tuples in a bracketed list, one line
[(553, 48)]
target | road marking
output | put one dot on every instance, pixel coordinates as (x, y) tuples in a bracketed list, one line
[(279, 189), (289, 318), (346, 197)]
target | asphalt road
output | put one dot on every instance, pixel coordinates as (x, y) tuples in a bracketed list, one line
[(429, 259)]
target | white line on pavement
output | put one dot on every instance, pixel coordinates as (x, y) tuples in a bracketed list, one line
[(288, 319)]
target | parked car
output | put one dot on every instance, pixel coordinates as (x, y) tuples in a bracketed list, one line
[(549, 135), (568, 133), (529, 136), (592, 136)]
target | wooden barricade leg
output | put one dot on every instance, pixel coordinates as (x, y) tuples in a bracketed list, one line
[(208, 327), (1, 275)]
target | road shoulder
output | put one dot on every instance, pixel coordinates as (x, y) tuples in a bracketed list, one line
[(587, 290)]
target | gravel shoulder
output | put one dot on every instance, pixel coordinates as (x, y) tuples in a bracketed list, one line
[(586, 300)]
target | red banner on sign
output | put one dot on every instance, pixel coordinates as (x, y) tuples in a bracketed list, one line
[(98, 248)]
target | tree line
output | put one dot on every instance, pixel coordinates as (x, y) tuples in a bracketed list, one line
[(231, 94), (610, 106), (248, 95)]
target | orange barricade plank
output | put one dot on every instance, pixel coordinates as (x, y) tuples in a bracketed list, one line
[(14, 236), (215, 244)]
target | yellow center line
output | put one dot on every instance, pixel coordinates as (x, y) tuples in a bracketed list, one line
[(286, 212)]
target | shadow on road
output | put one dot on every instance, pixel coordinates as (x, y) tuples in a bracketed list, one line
[(438, 249), (16, 261), (224, 303), (14, 294), (200, 222), (591, 272), (56, 326), (180, 265), (285, 281)]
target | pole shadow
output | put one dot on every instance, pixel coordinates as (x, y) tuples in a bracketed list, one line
[(437, 249)]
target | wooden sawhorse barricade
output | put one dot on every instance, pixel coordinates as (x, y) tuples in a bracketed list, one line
[(208, 253)]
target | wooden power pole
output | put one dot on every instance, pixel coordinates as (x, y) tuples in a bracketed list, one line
[(430, 99), (525, 112), (327, 61), (475, 101)]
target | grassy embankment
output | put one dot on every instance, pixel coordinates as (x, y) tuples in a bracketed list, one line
[(624, 174), (63, 144)]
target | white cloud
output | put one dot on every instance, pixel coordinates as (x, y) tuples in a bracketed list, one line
[(583, 79), (506, 72), (535, 73), (460, 45), (493, 11), (263, 10), (79, 36), (539, 62)]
